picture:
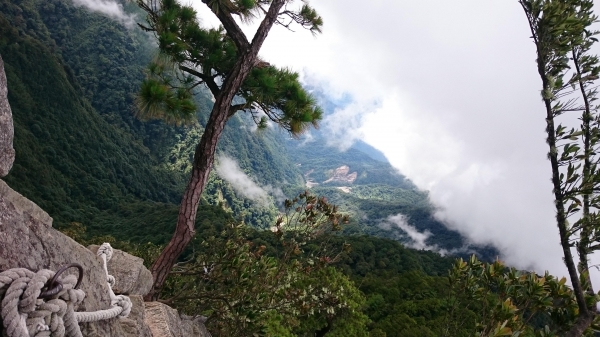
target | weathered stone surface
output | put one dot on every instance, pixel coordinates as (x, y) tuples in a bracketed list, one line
[(164, 321), (28, 240), (7, 153), (130, 274), (134, 325)]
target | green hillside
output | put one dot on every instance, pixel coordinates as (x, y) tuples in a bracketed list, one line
[(81, 154), (68, 157)]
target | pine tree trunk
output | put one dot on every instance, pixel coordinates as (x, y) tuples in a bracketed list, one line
[(205, 151)]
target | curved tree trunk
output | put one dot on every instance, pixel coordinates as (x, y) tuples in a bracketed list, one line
[(205, 151)]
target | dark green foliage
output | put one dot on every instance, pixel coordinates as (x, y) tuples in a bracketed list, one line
[(406, 290), (242, 288), (66, 154), (371, 255), (140, 222), (511, 302)]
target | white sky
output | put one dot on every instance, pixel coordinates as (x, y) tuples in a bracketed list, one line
[(448, 90)]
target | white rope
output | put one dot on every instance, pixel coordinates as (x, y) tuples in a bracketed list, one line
[(25, 315)]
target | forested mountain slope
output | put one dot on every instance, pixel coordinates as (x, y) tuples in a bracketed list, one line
[(84, 157), (67, 154), (81, 154)]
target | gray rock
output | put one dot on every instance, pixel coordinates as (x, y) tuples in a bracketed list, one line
[(7, 153), (131, 276), (194, 326), (27, 240), (164, 321), (134, 325)]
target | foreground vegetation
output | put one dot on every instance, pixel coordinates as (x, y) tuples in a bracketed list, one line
[(295, 283)]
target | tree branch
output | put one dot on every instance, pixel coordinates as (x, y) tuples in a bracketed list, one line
[(235, 108), (210, 82), (267, 23), (581, 324), (233, 30)]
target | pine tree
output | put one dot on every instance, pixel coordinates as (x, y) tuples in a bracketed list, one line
[(227, 63)]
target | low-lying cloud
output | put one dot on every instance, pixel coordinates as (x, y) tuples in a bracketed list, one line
[(455, 109), (416, 240), (336, 125), (228, 169), (112, 9)]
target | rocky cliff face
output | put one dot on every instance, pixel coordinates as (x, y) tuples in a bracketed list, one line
[(27, 240), (7, 153)]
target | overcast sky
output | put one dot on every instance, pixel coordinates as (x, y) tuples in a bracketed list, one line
[(448, 90)]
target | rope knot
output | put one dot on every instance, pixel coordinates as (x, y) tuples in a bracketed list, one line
[(105, 249), (111, 281), (39, 304), (123, 302)]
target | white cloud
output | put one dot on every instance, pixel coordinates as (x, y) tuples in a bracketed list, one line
[(417, 239), (336, 126), (112, 9), (228, 169), (457, 109)]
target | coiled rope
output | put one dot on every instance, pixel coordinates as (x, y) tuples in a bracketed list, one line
[(38, 304)]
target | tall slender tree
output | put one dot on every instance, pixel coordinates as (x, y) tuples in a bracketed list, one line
[(561, 31), (227, 63)]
